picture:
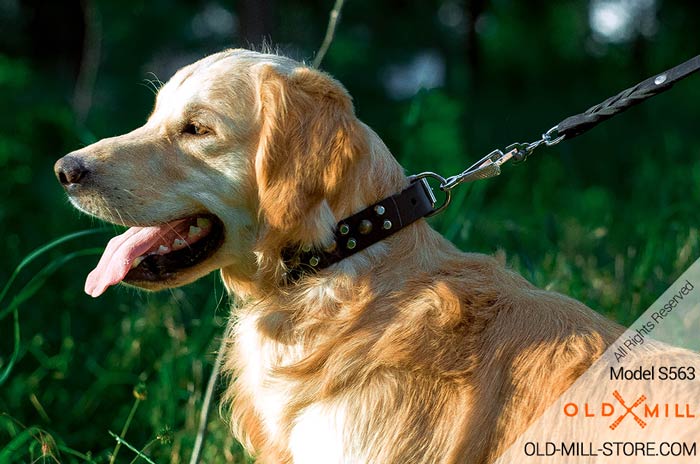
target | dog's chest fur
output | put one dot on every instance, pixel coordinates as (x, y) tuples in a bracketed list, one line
[(259, 356), (314, 433)]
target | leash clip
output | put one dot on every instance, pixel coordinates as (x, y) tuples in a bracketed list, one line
[(486, 167)]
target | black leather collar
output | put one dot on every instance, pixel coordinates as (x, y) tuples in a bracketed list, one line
[(362, 229)]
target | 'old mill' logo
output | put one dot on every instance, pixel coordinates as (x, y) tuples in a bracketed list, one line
[(628, 410), (638, 410)]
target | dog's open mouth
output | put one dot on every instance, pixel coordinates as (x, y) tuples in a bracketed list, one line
[(156, 253)]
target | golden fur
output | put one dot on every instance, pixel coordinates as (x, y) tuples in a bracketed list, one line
[(410, 351)]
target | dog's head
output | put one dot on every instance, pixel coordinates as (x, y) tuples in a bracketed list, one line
[(244, 154)]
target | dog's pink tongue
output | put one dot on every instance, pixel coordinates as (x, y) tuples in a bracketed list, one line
[(119, 255)]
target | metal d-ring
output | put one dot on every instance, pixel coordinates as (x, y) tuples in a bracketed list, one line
[(448, 194)]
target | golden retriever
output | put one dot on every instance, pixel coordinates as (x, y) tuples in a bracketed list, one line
[(410, 351)]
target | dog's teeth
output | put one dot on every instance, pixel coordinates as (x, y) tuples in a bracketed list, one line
[(203, 223), (194, 232), (179, 244), (163, 250), (136, 262)]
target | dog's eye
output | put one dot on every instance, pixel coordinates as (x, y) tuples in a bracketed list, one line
[(194, 128)]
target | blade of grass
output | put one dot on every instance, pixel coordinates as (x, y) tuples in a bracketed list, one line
[(139, 396), (26, 435), (15, 349), (27, 291), (330, 32), (206, 405), (31, 433), (454, 222), (75, 453), (43, 249), (143, 450), (121, 441), (38, 280)]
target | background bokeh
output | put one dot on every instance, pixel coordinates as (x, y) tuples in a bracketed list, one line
[(609, 218)]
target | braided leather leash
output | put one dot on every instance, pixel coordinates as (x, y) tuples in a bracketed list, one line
[(580, 123)]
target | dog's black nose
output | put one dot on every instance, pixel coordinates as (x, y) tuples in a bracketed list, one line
[(69, 170)]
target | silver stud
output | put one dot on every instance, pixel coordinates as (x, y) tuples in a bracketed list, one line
[(365, 227), (306, 248), (379, 209), (352, 243), (314, 261), (660, 79), (386, 225), (344, 229)]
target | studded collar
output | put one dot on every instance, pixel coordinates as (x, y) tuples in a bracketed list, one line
[(362, 229)]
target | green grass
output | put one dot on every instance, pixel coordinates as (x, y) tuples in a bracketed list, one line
[(173, 350)]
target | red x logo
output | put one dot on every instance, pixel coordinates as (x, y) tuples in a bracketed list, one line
[(628, 410)]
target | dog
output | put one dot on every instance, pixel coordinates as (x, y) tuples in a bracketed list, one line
[(409, 351)]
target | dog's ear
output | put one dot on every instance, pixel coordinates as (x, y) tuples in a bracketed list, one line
[(309, 148)]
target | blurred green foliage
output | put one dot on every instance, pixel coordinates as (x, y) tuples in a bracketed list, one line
[(609, 218)]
